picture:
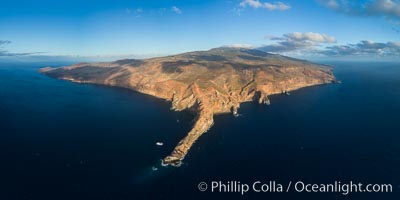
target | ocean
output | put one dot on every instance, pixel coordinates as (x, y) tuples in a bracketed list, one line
[(62, 140)]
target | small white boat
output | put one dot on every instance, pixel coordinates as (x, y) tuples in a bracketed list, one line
[(159, 143)]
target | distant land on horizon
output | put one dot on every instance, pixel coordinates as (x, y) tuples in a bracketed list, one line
[(204, 82)]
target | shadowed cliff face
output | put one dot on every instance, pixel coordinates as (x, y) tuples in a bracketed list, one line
[(205, 82)]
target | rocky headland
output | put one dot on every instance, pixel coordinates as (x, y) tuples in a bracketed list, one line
[(204, 82)]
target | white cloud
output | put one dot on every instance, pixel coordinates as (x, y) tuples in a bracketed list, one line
[(310, 36), (246, 46), (364, 48), (315, 44), (388, 8), (276, 6), (251, 3), (385, 7), (176, 10), (267, 5), (297, 41)]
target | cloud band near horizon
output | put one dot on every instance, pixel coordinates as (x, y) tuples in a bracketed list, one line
[(317, 44)]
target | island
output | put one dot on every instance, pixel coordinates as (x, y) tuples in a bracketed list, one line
[(206, 83)]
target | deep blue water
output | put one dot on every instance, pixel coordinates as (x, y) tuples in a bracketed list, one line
[(61, 140)]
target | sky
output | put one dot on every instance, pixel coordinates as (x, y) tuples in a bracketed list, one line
[(48, 29)]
